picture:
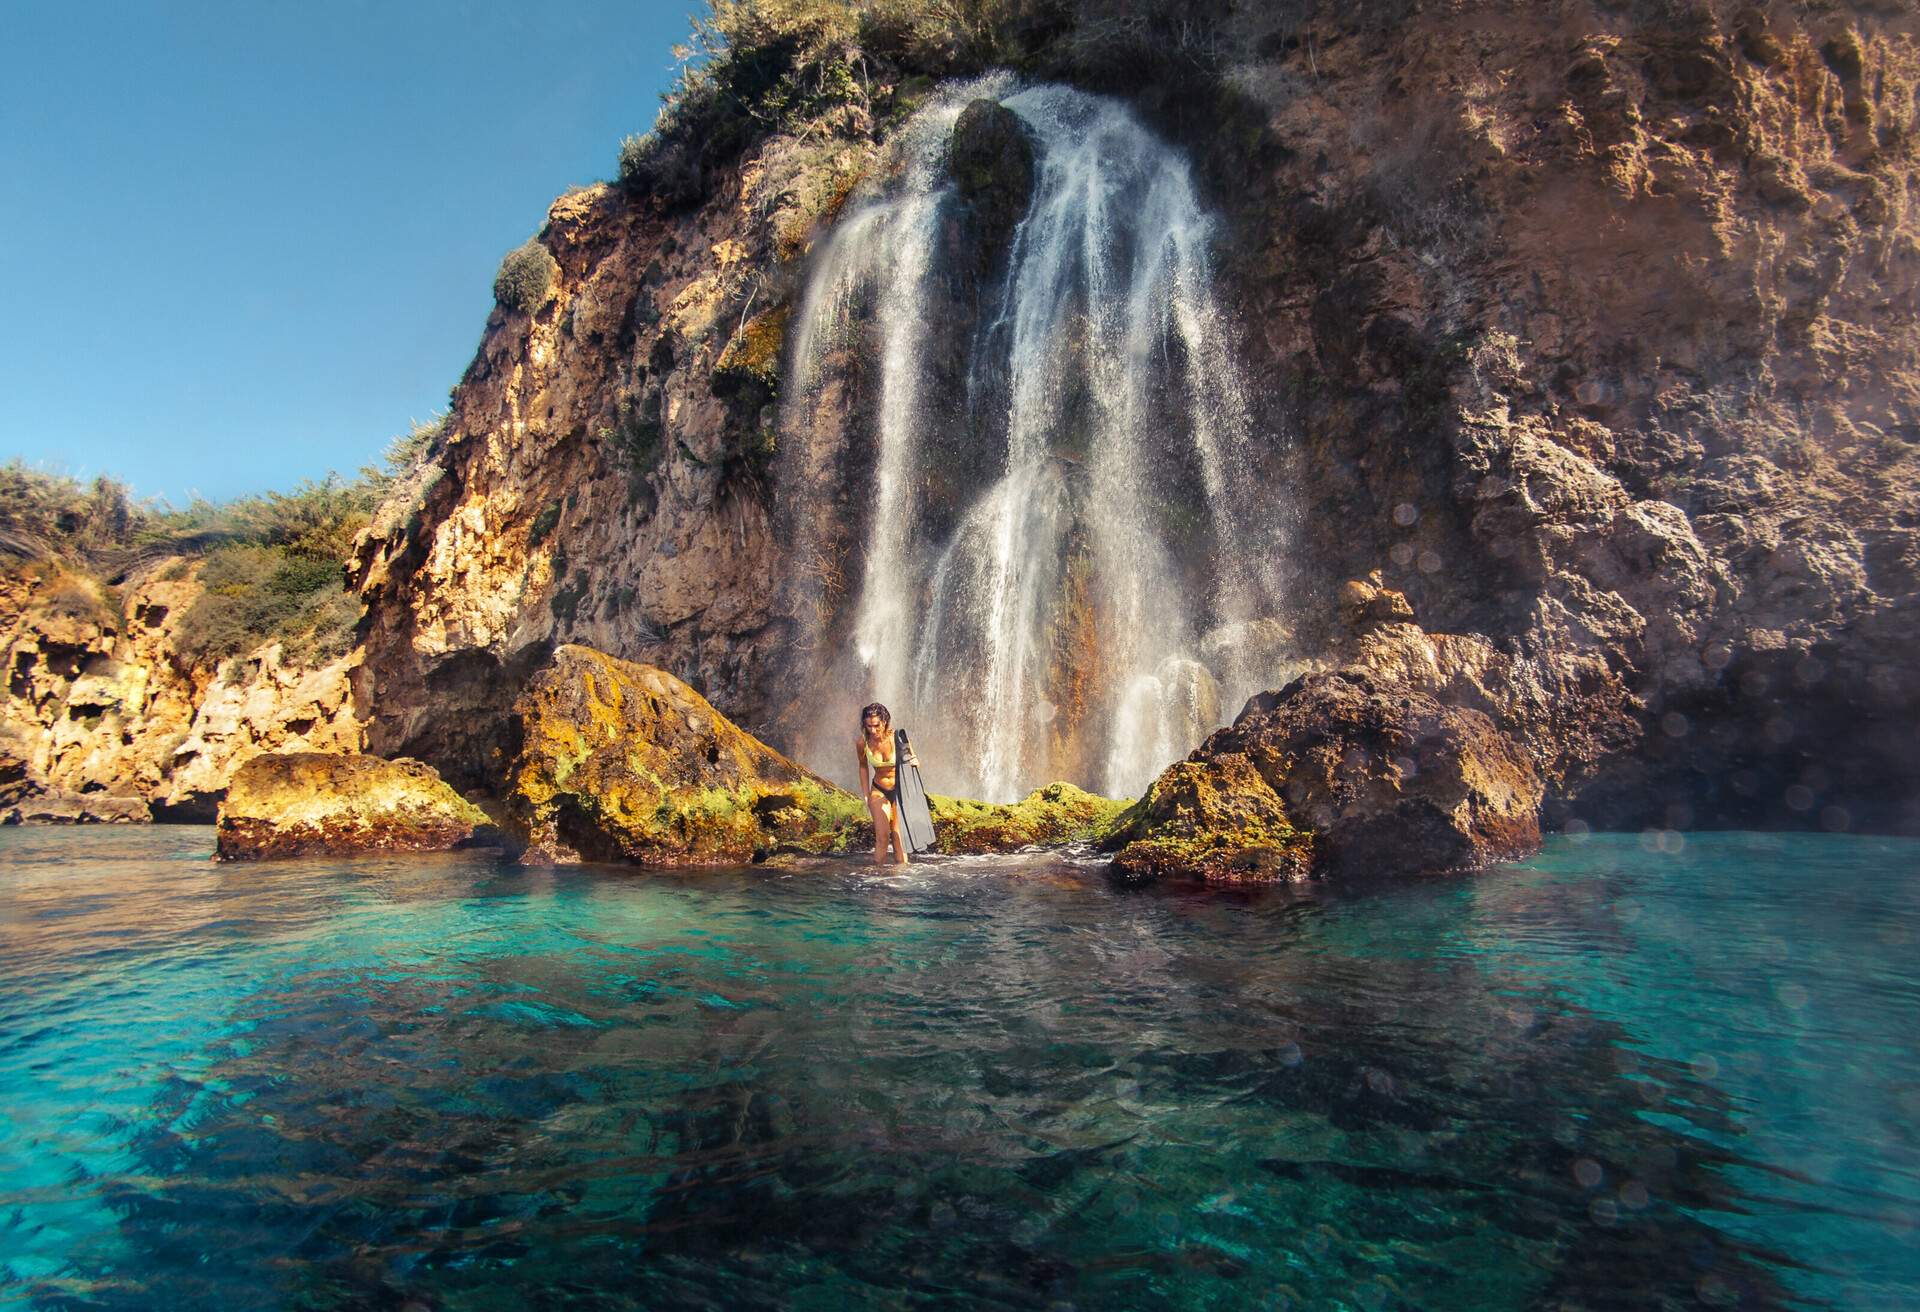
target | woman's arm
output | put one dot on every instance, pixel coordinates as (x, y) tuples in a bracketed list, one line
[(861, 756)]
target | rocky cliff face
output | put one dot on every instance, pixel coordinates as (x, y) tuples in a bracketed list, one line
[(606, 477), (102, 718), (1590, 327), (1598, 321)]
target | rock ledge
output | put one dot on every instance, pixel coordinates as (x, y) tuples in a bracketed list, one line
[(322, 803)]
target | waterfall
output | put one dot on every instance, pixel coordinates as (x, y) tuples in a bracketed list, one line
[(1067, 571)]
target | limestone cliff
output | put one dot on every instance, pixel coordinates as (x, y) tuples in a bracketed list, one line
[(1590, 326), (103, 717)]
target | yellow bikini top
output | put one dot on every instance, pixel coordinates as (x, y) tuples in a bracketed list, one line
[(874, 759)]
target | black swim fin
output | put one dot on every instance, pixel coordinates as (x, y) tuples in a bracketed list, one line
[(916, 820)]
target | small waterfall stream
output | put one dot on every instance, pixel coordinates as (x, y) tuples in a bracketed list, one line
[(1069, 571)]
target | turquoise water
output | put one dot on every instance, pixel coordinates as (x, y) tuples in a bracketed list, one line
[(1616, 1076)]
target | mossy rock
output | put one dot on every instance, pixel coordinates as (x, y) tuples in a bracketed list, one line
[(750, 366), (1336, 774), (333, 803), (991, 157), (1051, 816), (1215, 821), (624, 762)]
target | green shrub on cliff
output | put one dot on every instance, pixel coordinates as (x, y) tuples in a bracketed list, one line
[(273, 565), (754, 67), (526, 276), (46, 516), (254, 594)]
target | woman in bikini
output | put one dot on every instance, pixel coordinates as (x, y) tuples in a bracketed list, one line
[(880, 781)]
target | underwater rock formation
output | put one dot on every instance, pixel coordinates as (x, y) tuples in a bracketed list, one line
[(288, 804)]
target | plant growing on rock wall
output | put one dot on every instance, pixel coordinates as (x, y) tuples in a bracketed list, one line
[(526, 276), (755, 67), (43, 516), (254, 594)]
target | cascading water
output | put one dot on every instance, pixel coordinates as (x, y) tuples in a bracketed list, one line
[(1067, 574)]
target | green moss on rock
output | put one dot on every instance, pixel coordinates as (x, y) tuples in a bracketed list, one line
[(624, 762), (752, 358), (1050, 816), (1217, 821), (1336, 774), (325, 803)]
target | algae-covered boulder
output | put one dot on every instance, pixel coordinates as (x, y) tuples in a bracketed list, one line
[(1051, 816), (623, 762), (323, 803), (1336, 774)]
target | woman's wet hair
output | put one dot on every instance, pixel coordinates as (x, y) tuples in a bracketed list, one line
[(875, 708)]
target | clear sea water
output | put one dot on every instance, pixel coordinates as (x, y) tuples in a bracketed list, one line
[(1615, 1076)]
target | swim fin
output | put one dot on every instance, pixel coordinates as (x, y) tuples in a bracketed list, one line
[(916, 820)]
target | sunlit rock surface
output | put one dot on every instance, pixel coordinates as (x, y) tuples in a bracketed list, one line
[(64, 808), (322, 803), (624, 762), (1337, 775), (101, 705)]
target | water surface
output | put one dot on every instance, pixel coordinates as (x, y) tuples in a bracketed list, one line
[(1610, 1077)]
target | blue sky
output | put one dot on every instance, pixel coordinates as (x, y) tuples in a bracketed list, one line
[(244, 244)]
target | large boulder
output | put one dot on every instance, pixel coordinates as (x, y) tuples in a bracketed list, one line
[(624, 762), (1337, 774), (322, 803), (991, 158)]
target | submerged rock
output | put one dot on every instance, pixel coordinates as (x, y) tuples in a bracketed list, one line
[(322, 803), (1336, 774), (624, 762)]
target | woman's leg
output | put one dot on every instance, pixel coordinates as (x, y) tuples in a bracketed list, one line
[(882, 823), (899, 835)]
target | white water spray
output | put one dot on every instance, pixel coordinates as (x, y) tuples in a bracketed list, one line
[(1106, 591)]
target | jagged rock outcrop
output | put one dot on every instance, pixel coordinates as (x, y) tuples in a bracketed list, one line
[(623, 762), (1588, 326), (255, 704), (606, 476), (103, 714), (1337, 775), (991, 158), (63, 808), (286, 804), (1584, 319)]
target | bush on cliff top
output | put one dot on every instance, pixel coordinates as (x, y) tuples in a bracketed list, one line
[(44, 516), (274, 564), (753, 67), (257, 594), (526, 276)]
